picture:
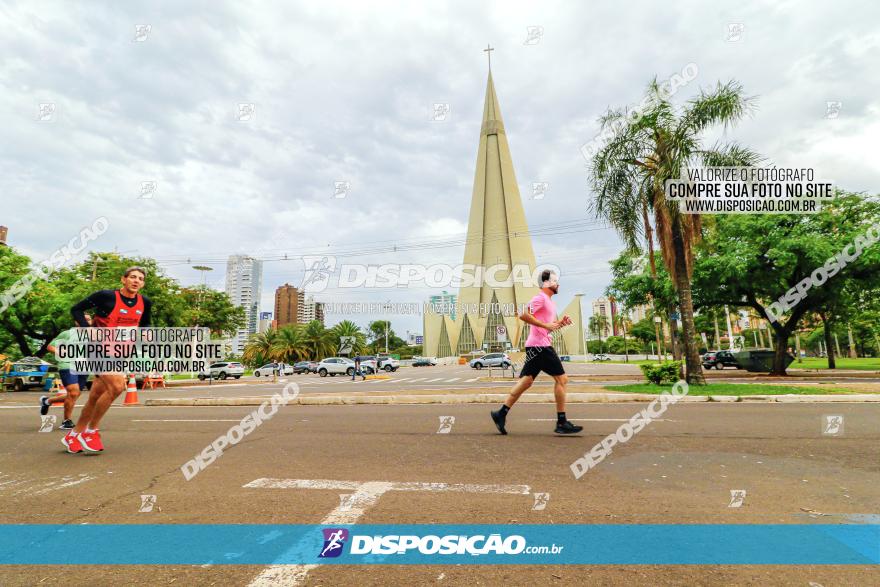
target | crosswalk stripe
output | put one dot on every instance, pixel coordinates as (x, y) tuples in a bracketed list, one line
[(471, 380), (433, 380), (417, 379), (453, 379)]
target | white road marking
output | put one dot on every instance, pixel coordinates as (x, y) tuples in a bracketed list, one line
[(186, 420), (596, 420), (453, 379), (83, 478), (471, 380), (417, 379), (365, 495), (433, 380), (212, 385)]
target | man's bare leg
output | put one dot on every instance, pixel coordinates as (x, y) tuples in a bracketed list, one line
[(500, 416), (114, 386), (561, 381), (98, 389), (70, 400), (518, 389)]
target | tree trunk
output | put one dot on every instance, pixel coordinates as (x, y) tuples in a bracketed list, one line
[(797, 342), (717, 333), (829, 348), (770, 339), (673, 334), (779, 351), (693, 365), (649, 237), (852, 344)]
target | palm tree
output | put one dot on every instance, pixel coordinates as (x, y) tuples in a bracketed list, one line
[(597, 325), (318, 340), (645, 150), (289, 345), (349, 328), (259, 347)]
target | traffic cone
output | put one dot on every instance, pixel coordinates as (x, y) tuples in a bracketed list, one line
[(131, 395)]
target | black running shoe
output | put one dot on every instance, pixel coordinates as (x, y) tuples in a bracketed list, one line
[(44, 405), (66, 425), (499, 419), (567, 427)]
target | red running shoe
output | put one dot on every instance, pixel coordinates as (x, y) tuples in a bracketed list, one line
[(71, 441), (91, 441)]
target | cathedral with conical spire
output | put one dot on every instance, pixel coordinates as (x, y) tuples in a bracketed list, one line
[(500, 270)]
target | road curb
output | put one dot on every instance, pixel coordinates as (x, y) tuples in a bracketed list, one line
[(491, 398)]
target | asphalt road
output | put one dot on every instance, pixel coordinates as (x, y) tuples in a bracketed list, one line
[(678, 470)]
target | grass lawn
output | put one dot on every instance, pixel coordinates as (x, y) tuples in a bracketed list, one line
[(734, 389), (867, 364)]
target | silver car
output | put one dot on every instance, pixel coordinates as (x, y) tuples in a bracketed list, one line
[(491, 360)]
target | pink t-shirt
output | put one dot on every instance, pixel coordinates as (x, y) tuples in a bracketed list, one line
[(544, 310)]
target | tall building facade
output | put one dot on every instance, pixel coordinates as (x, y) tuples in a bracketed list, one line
[(606, 308), (244, 285), (287, 305), (498, 240), (292, 306)]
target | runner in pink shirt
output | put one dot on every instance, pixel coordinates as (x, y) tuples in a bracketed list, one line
[(541, 356)]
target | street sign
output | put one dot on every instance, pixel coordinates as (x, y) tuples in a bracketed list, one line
[(501, 333), (346, 344)]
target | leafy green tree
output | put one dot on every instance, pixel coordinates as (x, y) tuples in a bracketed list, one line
[(211, 309), (259, 348), (289, 345), (753, 260), (628, 175), (349, 328), (319, 341)]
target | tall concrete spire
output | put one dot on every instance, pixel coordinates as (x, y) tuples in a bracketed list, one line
[(498, 243), (497, 228)]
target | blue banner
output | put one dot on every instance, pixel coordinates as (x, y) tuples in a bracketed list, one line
[(586, 544)]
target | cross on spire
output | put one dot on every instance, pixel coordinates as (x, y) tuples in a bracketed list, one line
[(488, 53)]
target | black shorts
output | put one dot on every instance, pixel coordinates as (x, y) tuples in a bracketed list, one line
[(68, 378), (541, 358)]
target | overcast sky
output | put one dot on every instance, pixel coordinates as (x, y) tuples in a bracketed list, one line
[(345, 92)]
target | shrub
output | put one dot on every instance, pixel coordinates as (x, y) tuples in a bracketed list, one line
[(666, 372)]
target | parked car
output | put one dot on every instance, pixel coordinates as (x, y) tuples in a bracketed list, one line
[(720, 360), (565, 358), (334, 366), (423, 362), (278, 369), (387, 364), (601, 357), (305, 367), (222, 371), (491, 360)]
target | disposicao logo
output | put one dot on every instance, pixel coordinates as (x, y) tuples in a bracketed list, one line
[(334, 540)]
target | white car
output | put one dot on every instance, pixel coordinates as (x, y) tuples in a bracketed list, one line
[(388, 364), (222, 371), (278, 369), (333, 366)]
